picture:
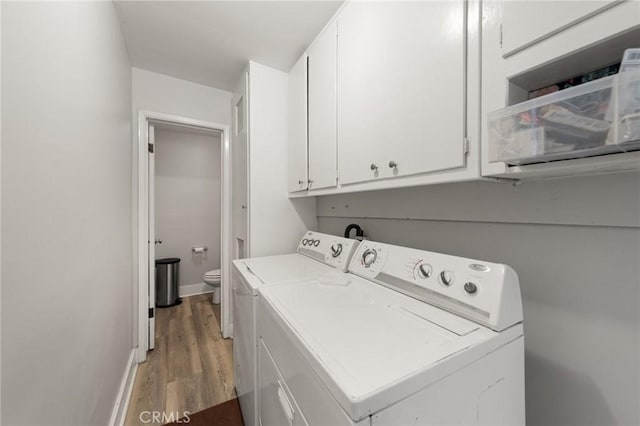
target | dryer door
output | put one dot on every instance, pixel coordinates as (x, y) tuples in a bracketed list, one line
[(277, 406)]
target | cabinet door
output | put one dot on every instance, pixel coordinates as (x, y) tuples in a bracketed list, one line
[(526, 22), (322, 110), (401, 88), (240, 159), (297, 177)]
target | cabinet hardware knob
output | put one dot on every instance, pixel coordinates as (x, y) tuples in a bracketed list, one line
[(158, 241), (393, 164), (373, 167), (300, 182)]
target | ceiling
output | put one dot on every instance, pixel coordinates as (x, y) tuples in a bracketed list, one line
[(210, 42)]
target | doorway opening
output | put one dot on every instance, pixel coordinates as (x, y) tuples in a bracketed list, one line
[(160, 131)]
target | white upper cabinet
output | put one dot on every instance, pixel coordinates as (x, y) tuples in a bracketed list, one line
[(545, 42), (297, 122), (528, 22), (531, 45), (401, 89), (322, 110)]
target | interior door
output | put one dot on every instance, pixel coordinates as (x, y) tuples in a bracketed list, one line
[(322, 110), (152, 236), (240, 159)]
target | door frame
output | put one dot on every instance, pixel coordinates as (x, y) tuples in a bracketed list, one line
[(142, 237)]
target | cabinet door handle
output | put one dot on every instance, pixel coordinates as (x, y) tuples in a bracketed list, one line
[(393, 164), (300, 182), (373, 167)]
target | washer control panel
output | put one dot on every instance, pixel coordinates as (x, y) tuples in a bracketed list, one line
[(487, 293), (369, 259), (329, 249)]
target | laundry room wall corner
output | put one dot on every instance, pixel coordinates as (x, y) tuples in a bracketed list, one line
[(575, 244), (275, 222)]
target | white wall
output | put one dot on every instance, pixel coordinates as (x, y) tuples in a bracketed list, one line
[(575, 244), (276, 222), (187, 200), (66, 224), (160, 93)]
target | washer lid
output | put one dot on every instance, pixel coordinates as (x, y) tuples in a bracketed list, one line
[(284, 268), (370, 345)]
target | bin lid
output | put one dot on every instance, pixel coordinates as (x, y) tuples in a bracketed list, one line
[(167, 260)]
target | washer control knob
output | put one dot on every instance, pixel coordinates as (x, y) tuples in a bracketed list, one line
[(446, 278), (305, 241), (369, 257), (424, 270), (470, 287), (315, 243), (336, 249)]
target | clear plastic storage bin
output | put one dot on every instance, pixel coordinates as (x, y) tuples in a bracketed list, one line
[(595, 118)]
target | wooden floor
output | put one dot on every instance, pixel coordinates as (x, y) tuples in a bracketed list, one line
[(191, 367)]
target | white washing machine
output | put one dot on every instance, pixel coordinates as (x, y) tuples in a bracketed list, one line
[(408, 337), (318, 255)]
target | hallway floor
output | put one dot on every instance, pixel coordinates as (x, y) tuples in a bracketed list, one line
[(191, 367)]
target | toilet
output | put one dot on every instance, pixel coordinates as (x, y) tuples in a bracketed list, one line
[(212, 278)]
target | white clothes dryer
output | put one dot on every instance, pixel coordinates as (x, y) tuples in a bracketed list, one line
[(318, 256), (408, 337)]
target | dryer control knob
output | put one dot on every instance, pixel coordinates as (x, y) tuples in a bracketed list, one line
[(369, 257), (446, 278), (424, 270), (470, 287)]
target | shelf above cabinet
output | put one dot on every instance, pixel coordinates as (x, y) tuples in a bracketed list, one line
[(604, 164), (594, 119), (572, 132)]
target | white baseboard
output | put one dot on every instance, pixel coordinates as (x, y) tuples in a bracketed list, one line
[(124, 393), (194, 289), (228, 332)]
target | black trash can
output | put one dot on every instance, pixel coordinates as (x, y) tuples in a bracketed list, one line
[(167, 275)]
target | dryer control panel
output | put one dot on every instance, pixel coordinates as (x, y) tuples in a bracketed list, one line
[(329, 249), (487, 293)]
